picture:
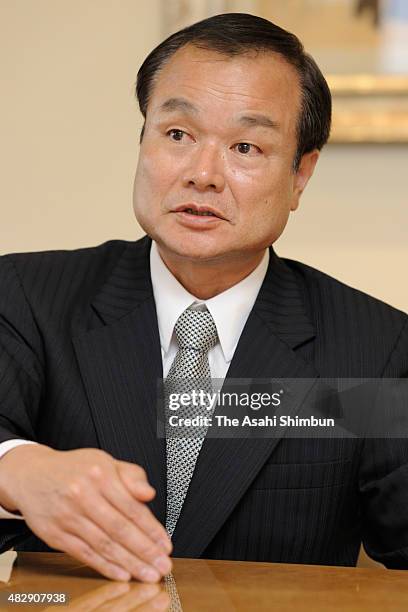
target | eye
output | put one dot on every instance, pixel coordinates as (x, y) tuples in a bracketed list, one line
[(245, 148), (175, 134)]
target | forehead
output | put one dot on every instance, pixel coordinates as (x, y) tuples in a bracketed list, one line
[(261, 81)]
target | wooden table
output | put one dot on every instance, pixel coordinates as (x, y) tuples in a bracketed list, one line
[(223, 586)]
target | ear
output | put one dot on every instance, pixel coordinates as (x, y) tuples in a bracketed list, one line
[(303, 174)]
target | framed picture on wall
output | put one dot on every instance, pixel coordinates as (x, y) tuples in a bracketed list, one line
[(362, 47)]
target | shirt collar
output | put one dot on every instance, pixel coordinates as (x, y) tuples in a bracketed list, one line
[(229, 309)]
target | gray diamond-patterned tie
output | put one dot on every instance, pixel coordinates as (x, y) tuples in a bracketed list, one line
[(196, 334)]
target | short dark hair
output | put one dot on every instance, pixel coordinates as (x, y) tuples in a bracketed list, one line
[(235, 34)]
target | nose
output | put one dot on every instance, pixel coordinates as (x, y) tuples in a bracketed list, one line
[(205, 171)]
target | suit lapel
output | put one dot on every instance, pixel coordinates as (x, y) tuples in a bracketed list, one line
[(225, 468), (120, 365)]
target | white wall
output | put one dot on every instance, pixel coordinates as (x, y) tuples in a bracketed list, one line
[(353, 220), (69, 122)]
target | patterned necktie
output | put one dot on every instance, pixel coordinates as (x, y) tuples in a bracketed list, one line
[(196, 334)]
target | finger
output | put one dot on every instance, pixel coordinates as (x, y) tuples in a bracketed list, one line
[(79, 549), (112, 551), (122, 531), (138, 595), (135, 479), (139, 513), (119, 496)]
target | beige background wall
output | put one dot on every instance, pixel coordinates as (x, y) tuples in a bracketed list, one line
[(69, 141), (69, 123)]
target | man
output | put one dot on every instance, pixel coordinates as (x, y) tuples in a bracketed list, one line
[(235, 117)]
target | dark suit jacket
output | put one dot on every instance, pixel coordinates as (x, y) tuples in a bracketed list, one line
[(79, 362)]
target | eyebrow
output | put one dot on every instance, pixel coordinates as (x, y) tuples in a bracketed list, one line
[(258, 121), (183, 105), (178, 104)]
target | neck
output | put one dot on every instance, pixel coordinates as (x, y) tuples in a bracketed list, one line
[(206, 279)]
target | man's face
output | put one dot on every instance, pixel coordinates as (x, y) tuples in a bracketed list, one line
[(220, 138)]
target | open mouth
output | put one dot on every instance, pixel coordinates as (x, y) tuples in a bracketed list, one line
[(200, 213)]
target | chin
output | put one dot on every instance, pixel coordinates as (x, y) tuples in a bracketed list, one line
[(193, 247)]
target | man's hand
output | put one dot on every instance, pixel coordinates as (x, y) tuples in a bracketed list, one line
[(89, 505)]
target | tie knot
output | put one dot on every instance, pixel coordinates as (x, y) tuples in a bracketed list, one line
[(195, 329)]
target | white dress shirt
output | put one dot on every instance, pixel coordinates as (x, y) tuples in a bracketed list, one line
[(229, 309)]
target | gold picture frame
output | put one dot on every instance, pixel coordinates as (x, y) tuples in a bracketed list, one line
[(362, 48), (369, 108)]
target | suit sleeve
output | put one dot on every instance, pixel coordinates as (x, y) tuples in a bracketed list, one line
[(384, 482), (21, 375)]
